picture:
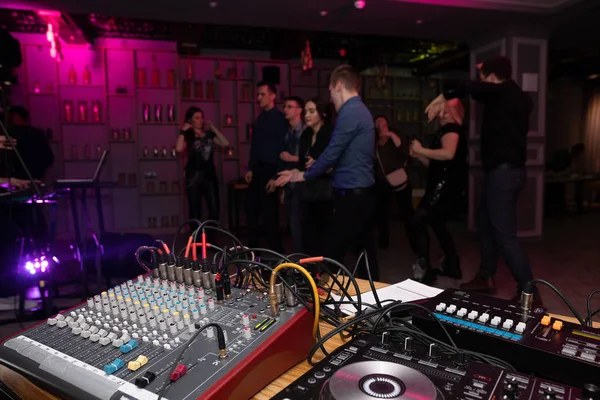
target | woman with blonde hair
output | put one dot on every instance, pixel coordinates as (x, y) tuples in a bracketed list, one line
[(445, 160)]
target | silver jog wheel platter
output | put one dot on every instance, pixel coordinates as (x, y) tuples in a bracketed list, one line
[(378, 380)]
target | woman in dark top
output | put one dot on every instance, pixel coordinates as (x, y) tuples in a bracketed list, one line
[(200, 172), (392, 153), (318, 208), (445, 160)]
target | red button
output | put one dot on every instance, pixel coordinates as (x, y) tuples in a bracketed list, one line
[(179, 372), (253, 316)]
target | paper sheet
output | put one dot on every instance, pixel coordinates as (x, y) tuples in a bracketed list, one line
[(405, 291)]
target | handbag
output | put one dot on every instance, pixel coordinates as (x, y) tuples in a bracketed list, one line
[(397, 179), (316, 190)]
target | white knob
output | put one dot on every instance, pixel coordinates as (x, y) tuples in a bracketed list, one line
[(495, 321), (203, 309), (180, 324), (507, 324), (117, 343), (191, 328), (200, 299), (484, 318), (173, 328), (210, 333), (104, 341), (451, 308), (211, 304), (112, 336), (186, 319), (52, 321), (90, 302), (520, 328), (140, 278), (473, 314), (142, 318), (145, 338), (61, 324), (245, 320), (462, 312), (76, 331), (102, 333), (156, 342), (94, 337), (162, 324), (167, 346), (152, 322), (135, 335), (86, 334), (247, 333), (440, 307)]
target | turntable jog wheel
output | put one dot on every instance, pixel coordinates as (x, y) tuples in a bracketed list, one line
[(378, 380)]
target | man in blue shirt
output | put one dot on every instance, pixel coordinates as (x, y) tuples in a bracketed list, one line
[(265, 149), (351, 156), (293, 111)]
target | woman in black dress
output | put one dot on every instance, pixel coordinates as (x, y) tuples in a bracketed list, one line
[(316, 201), (200, 172), (445, 160)]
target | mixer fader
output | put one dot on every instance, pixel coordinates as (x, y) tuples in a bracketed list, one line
[(126, 340)]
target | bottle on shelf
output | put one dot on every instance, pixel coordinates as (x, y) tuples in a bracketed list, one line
[(210, 90), (190, 70), (198, 89), (157, 112), (245, 92), (150, 187), (96, 111), (145, 154), (68, 109), (72, 76), (171, 78), (155, 77), (174, 220), (155, 152), (98, 151), (185, 89), (416, 116), (141, 77), (126, 134), (162, 187), (171, 112), (164, 152), (87, 154), (132, 179), (164, 222), (173, 152), (87, 76), (122, 179), (228, 119), (146, 112), (82, 107), (229, 152), (36, 87), (116, 135)]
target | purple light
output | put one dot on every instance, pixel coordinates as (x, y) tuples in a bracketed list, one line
[(29, 265), (44, 265), (55, 259), (32, 271)]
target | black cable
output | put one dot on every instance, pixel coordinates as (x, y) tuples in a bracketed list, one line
[(367, 266), (179, 231), (558, 292), (590, 314), (220, 341)]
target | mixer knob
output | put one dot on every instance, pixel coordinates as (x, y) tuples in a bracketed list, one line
[(162, 325), (156, 310), (191, 328), (408, 346), (195, 313), (84, 326), (462, 312), (247, 333), (115, 329), (211, 304), (59, 317), (73, 325), (90, 302), (152, 322), (507, 324), (112, 336), (201, 299), (495, 321), (434, 351), (511, 389), (89, 320), (245, 320), (549, 394), (590, 392), (210, 333), (520, 328), (156, 342), (176, 316), (473, 314), (461, 360), (76, 331), (142, 318), (173, 328), (440, 307), (186, 319), (385, 339), (117, 342), (202, 309), (484, 318), (102, 333), (451, 309), (94, 329), (52, 321)]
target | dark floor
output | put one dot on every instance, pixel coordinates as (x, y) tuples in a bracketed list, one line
[(568, 256)]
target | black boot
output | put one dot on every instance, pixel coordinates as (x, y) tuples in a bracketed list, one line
[(422, 272), (450, 267)]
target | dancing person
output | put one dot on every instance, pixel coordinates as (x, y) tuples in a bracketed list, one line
[(444, 161), (351, 154), (316, 196), (292, 110), (391, 181), (266, 146), (504, 128), (201, 181)]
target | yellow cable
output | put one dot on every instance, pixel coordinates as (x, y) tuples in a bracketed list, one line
[(273, 295)]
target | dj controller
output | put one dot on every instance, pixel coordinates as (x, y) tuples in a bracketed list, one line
[(376, 367), (123, 343), (532, 342)]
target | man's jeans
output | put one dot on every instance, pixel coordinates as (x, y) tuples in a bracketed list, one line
[(497, 224)]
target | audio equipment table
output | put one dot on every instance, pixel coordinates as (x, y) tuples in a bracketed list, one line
[(24, 388)]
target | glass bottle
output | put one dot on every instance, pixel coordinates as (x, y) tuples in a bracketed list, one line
[(126, 134), (68, 108), (141, 77), (96, 111), (87, 76), (72, 75), (171, 112), (158, 112), (145, 152), (98, 151), (36, 87), (116, 135), (198, 90), (146, 112), (171, 78), (87, 154), (82, 111), (155, 77)]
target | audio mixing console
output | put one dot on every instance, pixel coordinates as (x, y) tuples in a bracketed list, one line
[(530, 341), (123, 343), (374, 367)]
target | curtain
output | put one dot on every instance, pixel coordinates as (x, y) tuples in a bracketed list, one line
[(592, 134)]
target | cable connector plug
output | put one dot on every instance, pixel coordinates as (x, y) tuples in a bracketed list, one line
[(274, 303), (527, 297)]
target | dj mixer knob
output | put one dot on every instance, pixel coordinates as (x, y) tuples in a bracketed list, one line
[(461, 360), (385, 339), (549, 394), (433, 351), (408, 345), (590, 392), (511, 389)]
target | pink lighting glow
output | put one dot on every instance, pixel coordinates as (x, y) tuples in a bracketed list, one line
[(40, 264), (54, 40), (360, 4), (48, 13)]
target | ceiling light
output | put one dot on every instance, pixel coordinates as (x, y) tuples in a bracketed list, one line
[(419, 21), (360, 4), (323, 13), (213, 4)]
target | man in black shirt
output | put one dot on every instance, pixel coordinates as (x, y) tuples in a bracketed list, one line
[(504, 131), (267, 143)]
